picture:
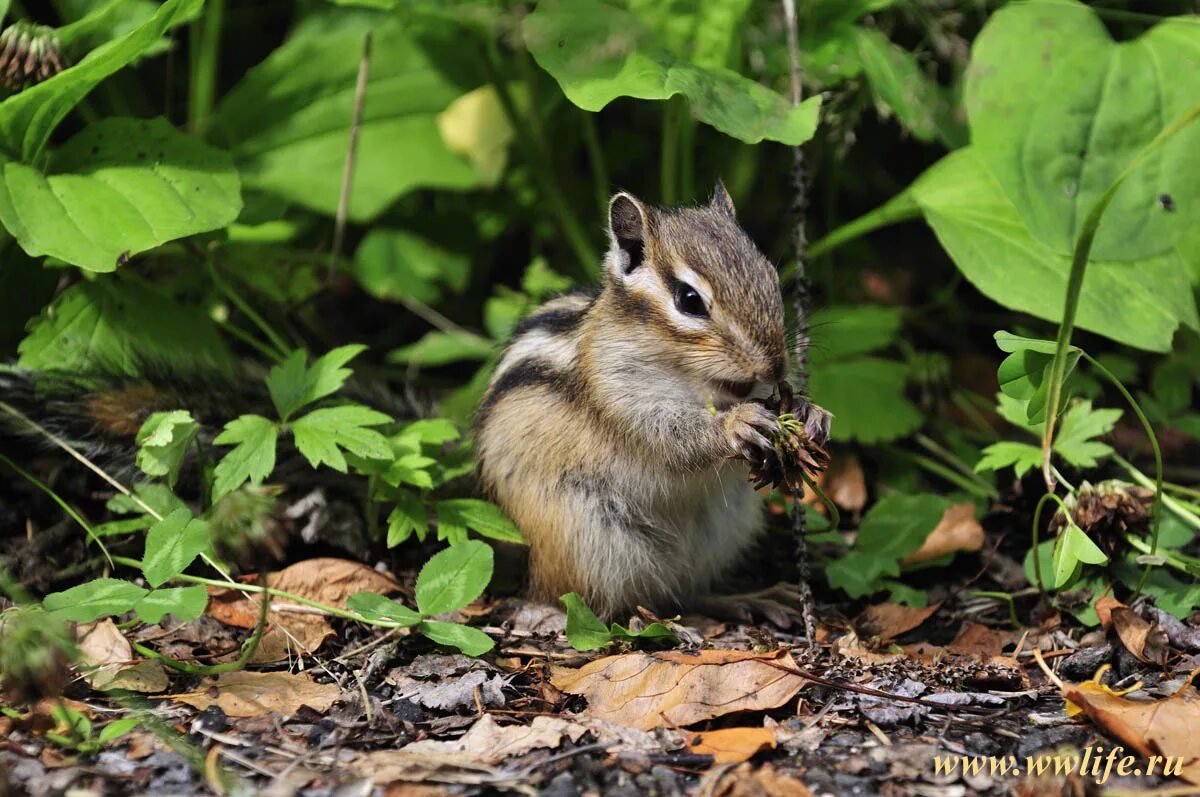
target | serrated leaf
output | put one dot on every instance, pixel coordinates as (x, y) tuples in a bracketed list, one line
[(163, 443), (322, 434), (598, 52), (866, 397), (294, 385), (1077, 426), (434, 431), (585, 631), (410, 469), (183, 603), (27, 118), (407, 517), (101, 597), (120, 325), (481, 517), (470, 641), (172, 544), (374, 606), (118, 188), (253, 456), (1021, 456), (454, 577)]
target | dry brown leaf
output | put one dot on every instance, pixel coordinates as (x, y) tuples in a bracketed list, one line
[(108, 660), (843, 482), (648, 691), (465, 759), (1167, 727), (886, 621), (327, 580), (732, 745), (1104, 607), (979, 641), (250, 694), (958, 530), (849, 646), (1146, 641), (746, 781)]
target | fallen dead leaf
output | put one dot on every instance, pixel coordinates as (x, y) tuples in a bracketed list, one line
[(251, 694), (648, 691), (466, 759), (843, 482), (886, 621), (732, 745), (849, 646), (1104, 607), (979, 641), (1166, 727), (108, 662), (958, 530), (327, 580), (1146, 641), (746, 781)]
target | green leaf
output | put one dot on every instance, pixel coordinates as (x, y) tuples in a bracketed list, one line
[(541, 282), (1076, 428), (394, 264), (840, 331), (899, 85), (441, 348), (585, 631), (253, 457), (157, 497), (296, 108), (172, 544), (1057, 110), (118, 728), (1073, 548), (469, 640), (895, 527), (454, 577), (866, 397), (163, 443), (101, 597), (29, 117), (120, 325), (410, 469), (598, 52), (293, 385), (1021, 456), (482, 517), (434, 431), (1010, 342), (1139, 303), (705, 32), (322, 434), (120, 187), (183, 603), (373, 606), (407, 517), (1172, 384)]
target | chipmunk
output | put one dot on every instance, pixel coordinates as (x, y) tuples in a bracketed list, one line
[(617, 427)]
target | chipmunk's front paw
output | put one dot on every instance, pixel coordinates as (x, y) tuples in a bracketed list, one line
[(816, 421), (748, 428)]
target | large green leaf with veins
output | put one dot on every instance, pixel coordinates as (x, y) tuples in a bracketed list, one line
[(1057, 110), (288, 121), (120, 187), (29, 117), (598, 52)]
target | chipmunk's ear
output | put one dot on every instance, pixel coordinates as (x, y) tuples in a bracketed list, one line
[(721, 202), (628, 223)]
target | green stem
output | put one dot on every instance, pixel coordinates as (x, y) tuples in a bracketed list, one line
[(591, 140), (687, 154), (1079, 261), (949, 457), (1191, 492), (248, 339), (668, 158), (1037, 525), (537, 154), (900, 208), (62, 504), (1170, 558), (248, 650), (281, 347), (1178, 507), (835, 517), (1000, 596), (938, 469), (204, 43)]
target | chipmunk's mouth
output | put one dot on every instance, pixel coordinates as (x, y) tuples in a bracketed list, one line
[(728, 393)]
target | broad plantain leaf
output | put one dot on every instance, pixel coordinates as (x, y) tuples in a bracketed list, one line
[(172, 544), (469, 640), (101, 597), (454, 577), (182, 603), (373, 606)]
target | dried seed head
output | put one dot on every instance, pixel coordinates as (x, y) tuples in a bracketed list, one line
[(29, 54), (1108, 511)]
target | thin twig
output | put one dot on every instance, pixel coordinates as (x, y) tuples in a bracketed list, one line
[(360, 96), (801, 306)]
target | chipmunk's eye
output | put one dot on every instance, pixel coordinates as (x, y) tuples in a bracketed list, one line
[(688, 300)]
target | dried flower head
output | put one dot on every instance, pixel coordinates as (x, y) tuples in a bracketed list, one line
[(1108, 511), (795, 453), (29, 54)]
